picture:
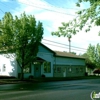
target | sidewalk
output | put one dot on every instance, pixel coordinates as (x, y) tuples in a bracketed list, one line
[(35, 80), (9, 81)]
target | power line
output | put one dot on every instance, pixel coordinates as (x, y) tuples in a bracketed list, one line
[(2, 11), (64, 7), (37, 6), (64, 44), (42, 5), (63, 47), (59, 7), (6, 5), (53, 11)]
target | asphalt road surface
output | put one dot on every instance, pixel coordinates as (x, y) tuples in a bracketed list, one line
[(62, 90)]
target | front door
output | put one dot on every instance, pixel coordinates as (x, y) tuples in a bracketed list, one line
[(37, 70)]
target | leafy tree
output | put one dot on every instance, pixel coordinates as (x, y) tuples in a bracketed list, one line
[(20, 36), (93, 56), (89, 63), (86, 17)]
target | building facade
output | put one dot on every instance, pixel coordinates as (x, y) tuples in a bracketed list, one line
[(68, 65), (48, 63)]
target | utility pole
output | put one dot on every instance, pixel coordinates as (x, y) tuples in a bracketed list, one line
[(69, 39)]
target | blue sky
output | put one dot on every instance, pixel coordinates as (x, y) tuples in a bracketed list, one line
[(51, 13)]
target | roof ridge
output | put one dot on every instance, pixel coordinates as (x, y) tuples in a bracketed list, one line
[(67, 54)]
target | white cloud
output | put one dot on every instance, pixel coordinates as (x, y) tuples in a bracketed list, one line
[(52, 20), (81, 40), (27, 6)]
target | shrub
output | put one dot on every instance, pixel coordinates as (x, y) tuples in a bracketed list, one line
[(43, 75), (31, 77)]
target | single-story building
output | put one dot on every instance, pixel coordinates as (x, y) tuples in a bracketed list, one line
[(48, 63), (68, 65)]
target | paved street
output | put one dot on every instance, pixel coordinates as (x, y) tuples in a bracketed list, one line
[(63, 90)]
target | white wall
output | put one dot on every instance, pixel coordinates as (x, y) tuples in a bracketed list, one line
[(10, 66)]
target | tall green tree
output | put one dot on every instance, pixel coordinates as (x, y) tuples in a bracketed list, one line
[(93, 53), (20, 36), (90, 65), (86, 18)]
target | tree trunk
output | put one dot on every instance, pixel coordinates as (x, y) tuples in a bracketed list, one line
[(22, 74), (22, 67)]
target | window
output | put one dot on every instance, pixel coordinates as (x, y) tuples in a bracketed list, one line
[(58, 69), (47, 67), (27, 69), (4, 67), (77, 70), (81, 69), (35, 63)]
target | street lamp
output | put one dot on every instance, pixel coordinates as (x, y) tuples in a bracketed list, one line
[(69, 39)]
